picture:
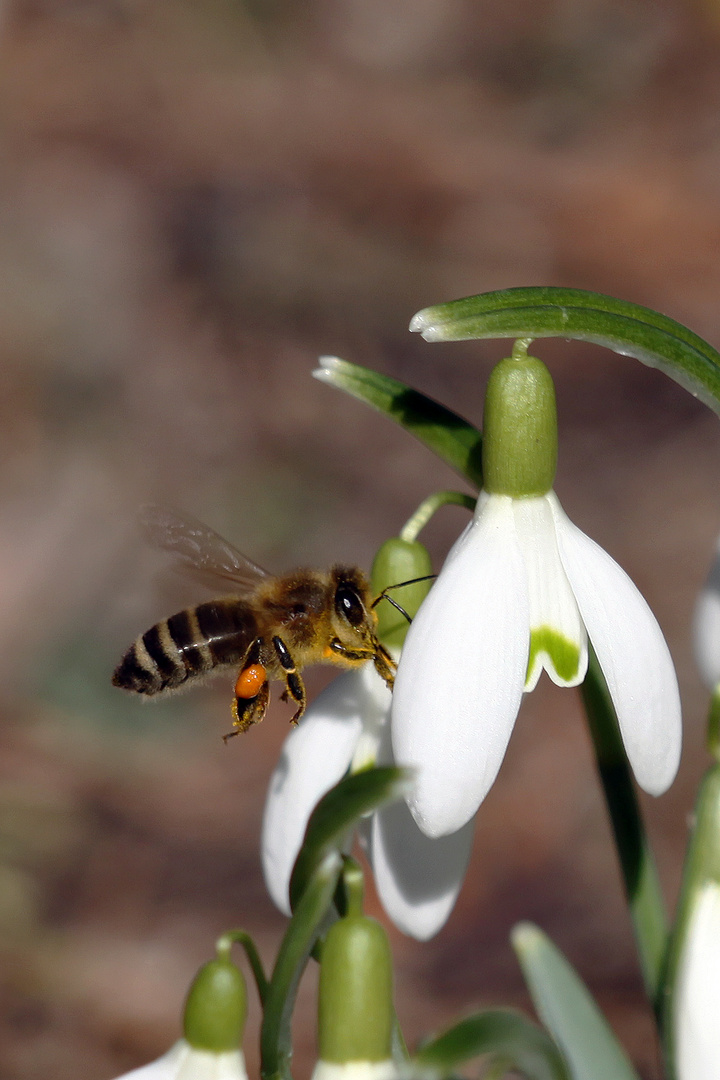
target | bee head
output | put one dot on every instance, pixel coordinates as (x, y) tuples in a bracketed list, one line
[(353, 616)]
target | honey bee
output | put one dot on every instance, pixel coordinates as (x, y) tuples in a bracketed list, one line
[(268, 628)]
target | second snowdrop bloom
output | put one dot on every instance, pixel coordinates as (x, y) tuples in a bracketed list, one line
[(184, 1062), (213, 1023), (345, 728), (523, 589)]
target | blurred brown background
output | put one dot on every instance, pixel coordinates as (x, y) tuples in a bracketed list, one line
[(197, 198)]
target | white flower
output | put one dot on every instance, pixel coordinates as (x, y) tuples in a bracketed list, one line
[(523, 589), (184, 1062), (417, 878), (707, 625), (696, 1001)]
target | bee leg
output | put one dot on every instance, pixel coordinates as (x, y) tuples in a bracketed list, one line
[(357, 655), (248, 711), (385, 666), (384, 663), (294, 688), (252, 692)]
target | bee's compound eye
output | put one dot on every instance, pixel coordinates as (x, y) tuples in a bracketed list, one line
[(349, 605), (250, 681)]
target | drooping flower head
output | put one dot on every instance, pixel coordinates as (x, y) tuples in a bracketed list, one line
[(521, 590), (346, 729)]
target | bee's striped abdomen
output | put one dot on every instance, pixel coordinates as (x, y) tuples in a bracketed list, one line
[(188, 644)]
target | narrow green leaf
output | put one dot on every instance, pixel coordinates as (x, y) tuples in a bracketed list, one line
[(567, 1009), (338, 812), (449, 436), (546, 311), (498, 1034), (306, 925)]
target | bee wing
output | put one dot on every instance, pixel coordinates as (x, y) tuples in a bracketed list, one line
[(198, 547)]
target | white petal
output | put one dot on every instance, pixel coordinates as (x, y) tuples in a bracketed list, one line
[(417, 878), (183, 1062), (202, 1065), (165, 1068), (314, 758), (697, 993), (355, 1070), (373, 705), (461, 675), (554, 617), (706, 626), (633, 655)]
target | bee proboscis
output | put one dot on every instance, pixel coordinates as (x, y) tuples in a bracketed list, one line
[(268, 628)]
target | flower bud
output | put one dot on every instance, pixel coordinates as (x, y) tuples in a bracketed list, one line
[(519, 427), (216, 1007), (355, 1006), (397, 561)]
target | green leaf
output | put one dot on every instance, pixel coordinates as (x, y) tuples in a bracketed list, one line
[(538, 312), (338, 812), (568, 1011), (502, 1036), (307, 924), (449, 436)]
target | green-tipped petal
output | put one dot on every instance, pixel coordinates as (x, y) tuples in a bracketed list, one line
[(558, 641)]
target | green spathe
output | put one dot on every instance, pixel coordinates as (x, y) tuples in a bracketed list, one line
[(216, 1007), (397, 561), (564, 653), (520, 427), (355, 1006)]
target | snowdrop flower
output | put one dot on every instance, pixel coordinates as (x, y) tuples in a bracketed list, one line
[(346, 727), (184, 1062), (214, 1020), (694, 961), (523, 589), (697, 992)]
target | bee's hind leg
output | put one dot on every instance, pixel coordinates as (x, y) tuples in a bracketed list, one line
[(294, 686), (252, 692), (248, 711)]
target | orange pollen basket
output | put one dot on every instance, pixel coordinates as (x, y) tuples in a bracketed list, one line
[(250, 681)]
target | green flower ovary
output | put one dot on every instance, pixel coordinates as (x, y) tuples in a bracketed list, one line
[(519, 427)]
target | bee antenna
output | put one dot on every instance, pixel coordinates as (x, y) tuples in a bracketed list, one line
[(396, 606), (398, 585)]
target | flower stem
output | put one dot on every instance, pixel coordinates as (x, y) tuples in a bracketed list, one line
[(430, 506), (713, 727), (642, 885), (240, 937)]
